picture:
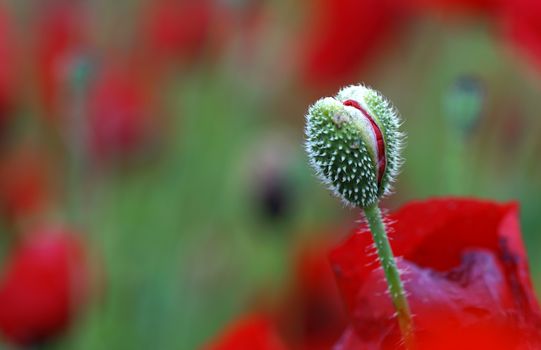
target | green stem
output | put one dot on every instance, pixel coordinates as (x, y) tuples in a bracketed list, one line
[(455, 163), (394, 284), (77, 139)]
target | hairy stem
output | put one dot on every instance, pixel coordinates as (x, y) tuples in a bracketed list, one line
[(394, 284)]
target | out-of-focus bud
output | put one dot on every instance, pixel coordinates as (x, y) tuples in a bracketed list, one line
[(463, 106), (354, 144), (44, 283), (464, 103), (272, 182)]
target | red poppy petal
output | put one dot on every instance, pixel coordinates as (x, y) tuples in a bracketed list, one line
[(343, 35), (441, 229), (469, 298), (465, 264), (434, 234), (249, 333), (43, 281), (521, 26)]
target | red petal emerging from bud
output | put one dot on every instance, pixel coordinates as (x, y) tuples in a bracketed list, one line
[(380, 144)]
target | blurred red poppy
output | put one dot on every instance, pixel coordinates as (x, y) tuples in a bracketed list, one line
[(178, 29), (25, 184), (6, 55), (252, 332), (458, 7), (43, 282), (466, 273), (6, 66), (8, 60), (343, 35), (521, 25), (60, 37), (120, 119)]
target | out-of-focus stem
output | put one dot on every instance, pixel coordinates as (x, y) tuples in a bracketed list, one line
[(455, 163), (76, 138), (463, 105)]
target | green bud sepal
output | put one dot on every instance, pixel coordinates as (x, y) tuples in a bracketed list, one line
[(354, 144)]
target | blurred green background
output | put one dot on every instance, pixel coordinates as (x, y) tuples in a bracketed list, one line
[(196, 224)]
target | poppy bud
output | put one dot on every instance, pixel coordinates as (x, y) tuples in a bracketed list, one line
[(463, 104), (354, 144)]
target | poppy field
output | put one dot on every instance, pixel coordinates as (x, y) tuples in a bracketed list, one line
[(270, 174)]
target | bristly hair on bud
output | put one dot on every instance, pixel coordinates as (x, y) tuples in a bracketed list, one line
[(354, 144)]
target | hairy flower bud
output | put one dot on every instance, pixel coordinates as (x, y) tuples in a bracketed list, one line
[(354, 144)]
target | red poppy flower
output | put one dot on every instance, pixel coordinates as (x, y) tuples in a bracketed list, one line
[(43, 282), (60, 37), (521, 25), (25, 183), (178, 29), (120, 119), (253, 332), (454, 7), (8, 59), (466, 273), (342, 36)]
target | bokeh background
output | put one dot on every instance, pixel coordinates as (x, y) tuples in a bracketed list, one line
[(163, 142)]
